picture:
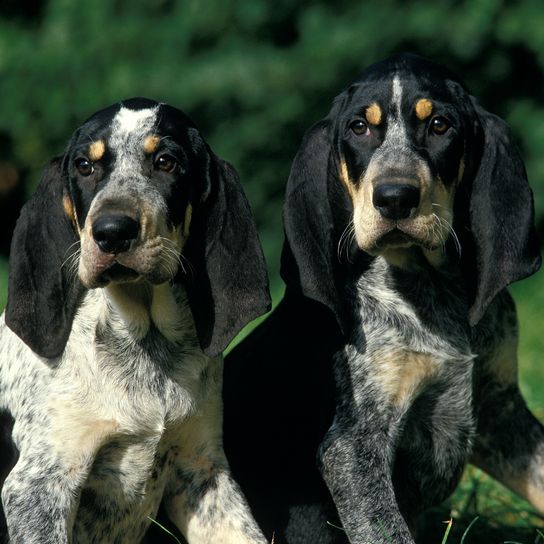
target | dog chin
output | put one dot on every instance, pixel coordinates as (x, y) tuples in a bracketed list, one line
[(396, 239), (118, 274)]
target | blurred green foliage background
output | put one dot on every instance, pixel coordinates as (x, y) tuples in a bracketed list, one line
[(254, 75)]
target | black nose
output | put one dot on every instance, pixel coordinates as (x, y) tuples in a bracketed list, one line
[(113, 233), (395, 201)]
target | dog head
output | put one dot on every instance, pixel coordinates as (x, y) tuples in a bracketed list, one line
[(407, 162), (138, 196)]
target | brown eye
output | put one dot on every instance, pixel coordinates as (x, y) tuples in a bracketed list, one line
[(440, 125), (166, 163), (358, 127), (84, 166)]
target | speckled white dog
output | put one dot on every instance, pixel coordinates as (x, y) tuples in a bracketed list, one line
[(132, 267)]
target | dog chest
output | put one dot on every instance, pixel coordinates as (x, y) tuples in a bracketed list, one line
[(402, 344)]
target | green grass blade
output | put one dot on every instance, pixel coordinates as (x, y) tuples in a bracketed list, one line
[(448, 529), (384, 531), (164, 529), (468, 529)]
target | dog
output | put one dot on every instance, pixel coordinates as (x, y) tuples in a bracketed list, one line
[(391, 361), (132, 267)]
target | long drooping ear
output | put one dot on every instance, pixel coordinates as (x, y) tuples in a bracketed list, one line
[(314, 212), (501, 216), (229, 284), (43, 293)]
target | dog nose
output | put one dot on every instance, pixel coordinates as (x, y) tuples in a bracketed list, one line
[(113, 233), (395, 201)]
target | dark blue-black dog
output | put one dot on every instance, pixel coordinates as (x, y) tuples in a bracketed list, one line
[(391, 361)]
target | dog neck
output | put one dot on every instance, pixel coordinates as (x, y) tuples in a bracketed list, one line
[(141, 306)]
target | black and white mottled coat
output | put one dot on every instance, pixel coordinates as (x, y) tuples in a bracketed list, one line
[(132, 267), (391, 361)]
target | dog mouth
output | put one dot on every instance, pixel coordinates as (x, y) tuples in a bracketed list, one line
[(151, 262), (117, 273), (397, 238)]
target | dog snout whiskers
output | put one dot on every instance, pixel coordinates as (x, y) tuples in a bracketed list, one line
[(115, 233)]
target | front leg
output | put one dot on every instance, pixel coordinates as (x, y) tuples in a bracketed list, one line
[(41, 494), (355, 462), (208, 507), (39, 499), (357, 454), (203, 500)]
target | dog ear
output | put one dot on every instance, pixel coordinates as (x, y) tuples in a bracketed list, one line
[(43, 292), (310, 262), (229, 284), (501, 216)]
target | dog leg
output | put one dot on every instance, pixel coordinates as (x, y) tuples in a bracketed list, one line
[(209, 507), (356, 458), (510, 440), (356, 466), (509, 443), (204, 501), (40, 500), (41, 494)]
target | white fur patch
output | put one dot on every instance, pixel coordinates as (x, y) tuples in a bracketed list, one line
[(133, 121)]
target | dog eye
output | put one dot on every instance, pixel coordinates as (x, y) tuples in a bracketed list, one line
[(358, 127), (84, 166), (166, 163), (440, 125)]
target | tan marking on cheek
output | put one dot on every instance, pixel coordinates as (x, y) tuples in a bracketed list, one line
[(442, 196), (366, 218), (97, 150), (148, 226), (461, 171), (424, 108), (401, 374), (373, 114), (345, 179), (187, 221), (69, 209), (151, 143)]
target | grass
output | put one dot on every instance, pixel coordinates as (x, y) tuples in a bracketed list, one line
[(483, 512)]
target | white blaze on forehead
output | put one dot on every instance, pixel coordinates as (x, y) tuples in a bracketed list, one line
[(396, 131), (396, 94), (129, 121), (395, 152), (129, 129)]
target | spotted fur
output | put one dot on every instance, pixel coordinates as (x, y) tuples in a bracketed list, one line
[(396, 339), (110, 364)]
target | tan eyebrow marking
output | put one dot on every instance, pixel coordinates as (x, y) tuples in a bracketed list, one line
[(97, 150), (373, 114), (151, 143), (424, 108)]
